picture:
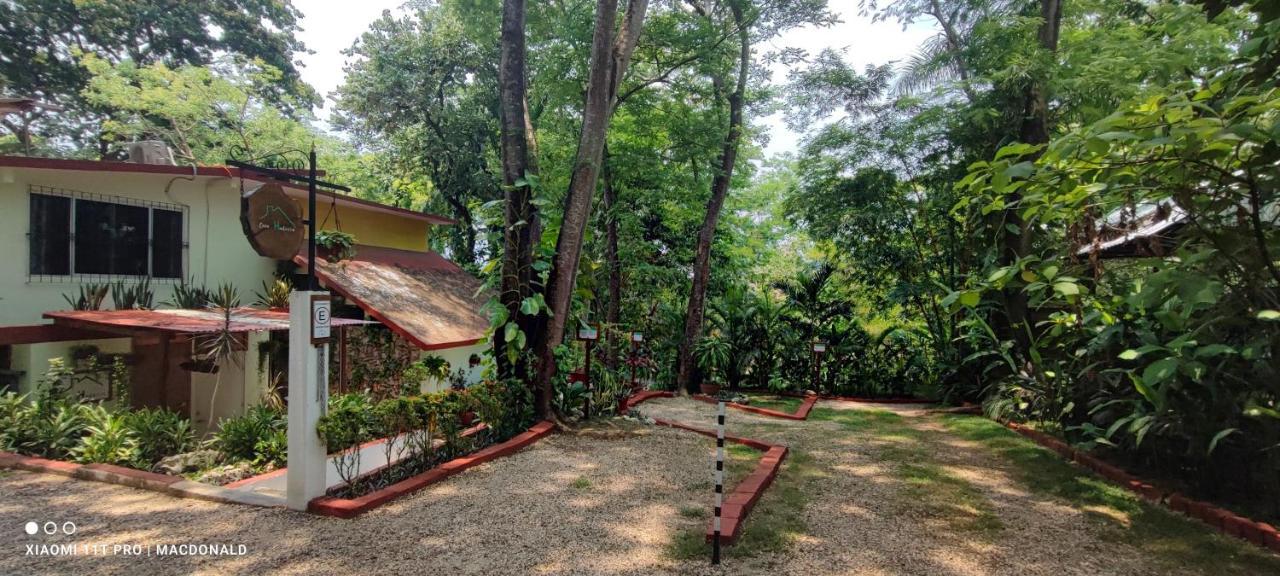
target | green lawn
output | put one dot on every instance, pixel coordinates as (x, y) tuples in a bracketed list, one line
[(925, 485), (788, 404)]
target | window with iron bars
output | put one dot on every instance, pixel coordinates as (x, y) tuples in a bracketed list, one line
[(83, 236)]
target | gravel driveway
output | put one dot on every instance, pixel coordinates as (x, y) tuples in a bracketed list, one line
[(570, 504), (596, 503)]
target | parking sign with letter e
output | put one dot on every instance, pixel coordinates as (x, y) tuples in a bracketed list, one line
[(321, 317)]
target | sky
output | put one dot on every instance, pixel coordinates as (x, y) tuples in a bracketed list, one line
[(328, 30)]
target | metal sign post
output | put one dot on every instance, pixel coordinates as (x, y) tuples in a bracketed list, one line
[(588, 337), (310, 319), (715, 522), (819, 347), (636, 339)]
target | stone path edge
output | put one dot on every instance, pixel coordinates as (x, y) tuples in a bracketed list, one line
[(739, 502), (1220, 519), (351, 507)]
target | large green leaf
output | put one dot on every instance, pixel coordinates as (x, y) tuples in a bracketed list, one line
[(1159, 371)]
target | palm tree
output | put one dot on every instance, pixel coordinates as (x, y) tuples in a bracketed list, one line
[(809, 306)]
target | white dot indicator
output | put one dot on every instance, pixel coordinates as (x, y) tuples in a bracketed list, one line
[(32, 528)]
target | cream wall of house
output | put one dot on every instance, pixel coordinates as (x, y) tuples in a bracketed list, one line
[(457, 358), (217, 249), (239, 385), (33, 359)]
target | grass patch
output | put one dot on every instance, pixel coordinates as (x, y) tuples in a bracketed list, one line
[(581, 483), (878, 421), (774, 522), (787, 404), (693, 512), (1165, 536), (925, 485)]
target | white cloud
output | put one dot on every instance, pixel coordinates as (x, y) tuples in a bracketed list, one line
[(329, 28), (865, 42)]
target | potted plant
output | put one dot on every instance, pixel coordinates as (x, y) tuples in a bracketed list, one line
[(712, 354), (335, 246)]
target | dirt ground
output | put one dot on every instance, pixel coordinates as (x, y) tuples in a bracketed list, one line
[(605, 504)]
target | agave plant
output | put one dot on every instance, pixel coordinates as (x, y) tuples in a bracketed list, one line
[(137, 296), (188, 296), (221, 346), (274, 294), (90, 298)]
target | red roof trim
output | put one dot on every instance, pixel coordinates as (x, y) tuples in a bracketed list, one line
[(224, 171), (40, 333)]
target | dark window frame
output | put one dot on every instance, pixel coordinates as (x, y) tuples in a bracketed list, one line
[(74, 196)]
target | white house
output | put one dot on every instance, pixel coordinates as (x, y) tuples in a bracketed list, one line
[(68, 224)]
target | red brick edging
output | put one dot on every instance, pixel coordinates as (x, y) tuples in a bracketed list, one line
[(1224, 521), (801, 413), (633, 400), (352, 507), (739, 502), (902, 400)]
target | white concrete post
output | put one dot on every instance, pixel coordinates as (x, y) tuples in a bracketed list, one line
[(308, 399)]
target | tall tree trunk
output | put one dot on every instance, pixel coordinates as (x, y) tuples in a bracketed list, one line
[(609, 59), (1034, 130), (719, 189), (520, 216), (613, 305)]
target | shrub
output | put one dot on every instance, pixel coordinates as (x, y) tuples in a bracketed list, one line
[(14, 420), (109, 439), (159, 433), (349, 423), (273, 449), (238, 437), (506, 407), (55, 428)]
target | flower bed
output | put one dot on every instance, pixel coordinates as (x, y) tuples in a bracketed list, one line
[(351, 507), (422, 431)]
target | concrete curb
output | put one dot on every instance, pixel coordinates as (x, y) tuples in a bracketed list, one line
[(176, 486)]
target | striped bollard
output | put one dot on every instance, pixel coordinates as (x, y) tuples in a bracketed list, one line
[(715, 523)]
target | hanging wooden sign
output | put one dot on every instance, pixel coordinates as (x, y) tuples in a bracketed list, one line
[(272, 221)]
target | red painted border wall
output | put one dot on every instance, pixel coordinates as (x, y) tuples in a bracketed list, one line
[(801, 413), (1225, 521), (739, 502)]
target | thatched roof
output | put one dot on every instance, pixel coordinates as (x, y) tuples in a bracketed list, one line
[(420, 295)]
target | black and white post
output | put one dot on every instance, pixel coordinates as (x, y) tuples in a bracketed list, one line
[(715, 522)]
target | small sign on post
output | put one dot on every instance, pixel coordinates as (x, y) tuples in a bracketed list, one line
[(588, 335), (819, 347), (321, 318)]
